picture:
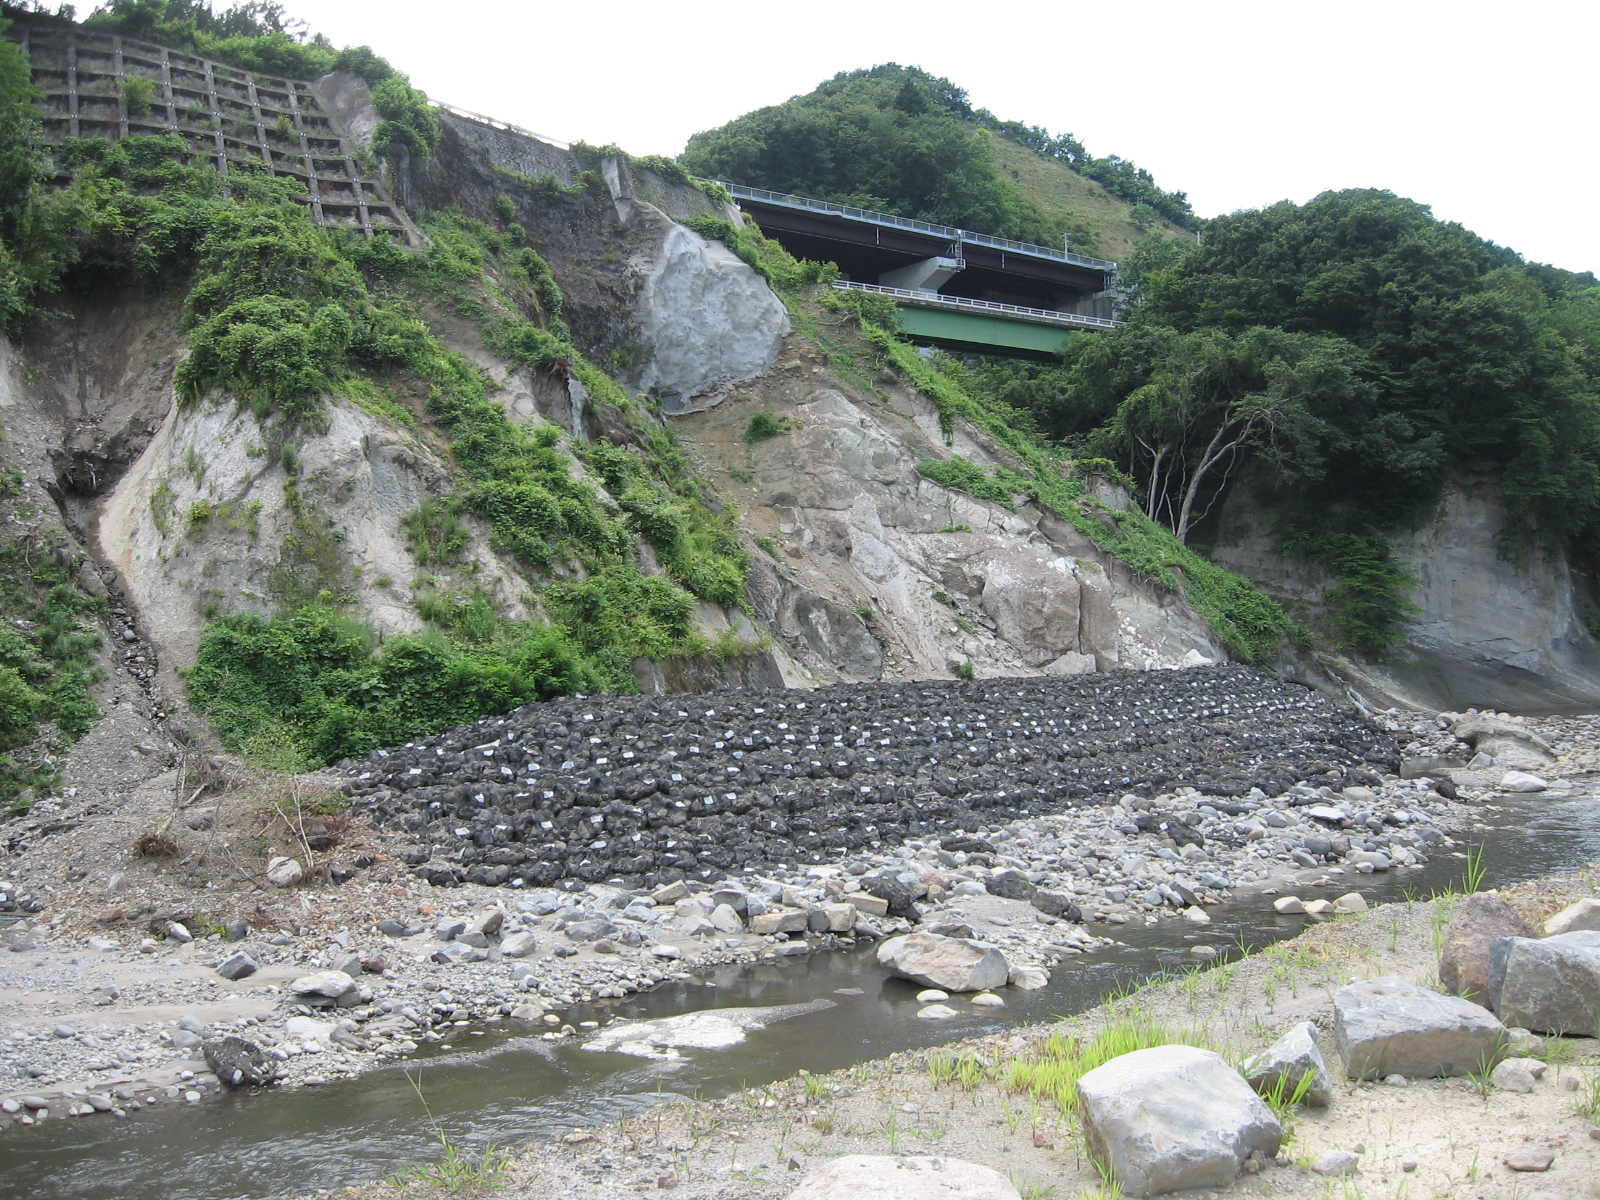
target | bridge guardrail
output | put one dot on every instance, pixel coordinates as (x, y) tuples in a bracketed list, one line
[(739, 191), (1037, 316)]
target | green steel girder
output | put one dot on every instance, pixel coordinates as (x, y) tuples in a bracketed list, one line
[(981, 332)]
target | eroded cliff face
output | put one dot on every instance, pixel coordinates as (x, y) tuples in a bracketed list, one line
[(1490, 632), (872, 571), (194, 510)]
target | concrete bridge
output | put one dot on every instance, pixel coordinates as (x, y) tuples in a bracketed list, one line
[(954, 288)]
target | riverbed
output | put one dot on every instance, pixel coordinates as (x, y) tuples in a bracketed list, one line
[(497, 1084)]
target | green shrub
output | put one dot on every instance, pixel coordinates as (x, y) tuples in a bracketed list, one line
[(47, 668), (764, 425), (408, 119), (136, 93), (321, 681)]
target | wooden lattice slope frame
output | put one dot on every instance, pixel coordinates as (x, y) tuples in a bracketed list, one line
[(230, 115)]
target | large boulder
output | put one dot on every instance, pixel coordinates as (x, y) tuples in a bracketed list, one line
[(1509, 744), (328, 985), (954, 964), (1549, 985), (1575, 918), (881, 1177), (1286, 1062), (1173, 1117), (238, 1062), (1464, 958), (705, 320), (1387, 1026)]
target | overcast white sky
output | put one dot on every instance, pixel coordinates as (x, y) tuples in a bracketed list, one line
[(1485, 111)]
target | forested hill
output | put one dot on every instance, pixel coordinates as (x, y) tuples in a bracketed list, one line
[(903, 141), (1355, 353)]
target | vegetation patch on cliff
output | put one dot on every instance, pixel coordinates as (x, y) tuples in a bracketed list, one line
[(281, 315), (48, 663)]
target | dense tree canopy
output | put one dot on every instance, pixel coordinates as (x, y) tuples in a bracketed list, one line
[(901, 140), (1363, 353), (1456, 356)]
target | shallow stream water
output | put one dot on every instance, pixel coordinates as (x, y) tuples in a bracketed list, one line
[(504, 1087)]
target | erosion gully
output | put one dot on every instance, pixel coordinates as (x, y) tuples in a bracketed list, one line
[(505, 1087)]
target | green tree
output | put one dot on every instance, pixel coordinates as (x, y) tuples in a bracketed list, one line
[(1194, 406)]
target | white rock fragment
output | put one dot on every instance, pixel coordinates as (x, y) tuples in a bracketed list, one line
[(1521, 781), (284, 872)]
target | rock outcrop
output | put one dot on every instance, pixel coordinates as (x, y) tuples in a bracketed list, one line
[(1490, 631), (927, 580)]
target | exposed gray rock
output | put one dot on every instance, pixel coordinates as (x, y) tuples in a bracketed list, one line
[(1174, 1117), (1027, 977), (1287, 1061), (591, 930), (1387, 1025), (237, 965), (1055, 904), (518, 945), (706, 320), (1530, 1158), (1336, 1162), (1464, 958), (487, 922), (1513, 1075), (1549, 985), (954, 964), (907, 1177), (1489, 630)]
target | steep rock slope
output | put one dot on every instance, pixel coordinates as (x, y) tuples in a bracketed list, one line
[(194, 509), (864, 543), (1489, 631)]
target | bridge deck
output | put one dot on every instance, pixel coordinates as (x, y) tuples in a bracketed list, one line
[(949, 233)]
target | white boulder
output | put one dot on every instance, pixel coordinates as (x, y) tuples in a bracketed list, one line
[(327, 984), (953, 964), (1521, 781), (284, 872), (1174, 1117)]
